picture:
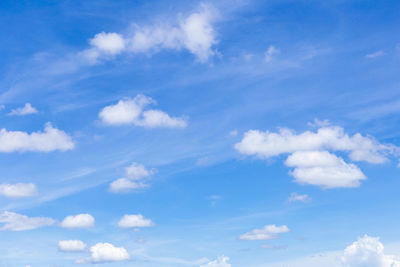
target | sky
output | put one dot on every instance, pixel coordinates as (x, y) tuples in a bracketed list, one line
[(237, 133)]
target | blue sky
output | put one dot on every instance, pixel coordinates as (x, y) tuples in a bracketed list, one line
[(208, 134)]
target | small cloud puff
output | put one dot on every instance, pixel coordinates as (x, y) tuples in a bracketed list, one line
[(71, 246), (105, 252), (18, 190), (78, 221), (268, 232), (25, 110), (132, 111), (222, 261), (134, 221)]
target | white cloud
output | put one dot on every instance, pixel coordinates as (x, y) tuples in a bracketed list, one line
[(106, 252), (376, 54), (266, 233), (296, 197), (137, 171), (17, 222), (71, 245), (272, 50), (268, 144), (25, 110), (323, 169), (18, 190), (104, 45), (78, 221), (135, 175), (222, 261), (110, 43), (310, 156), (368, 252), (131, 111), (125, 185), (134, 220), (195, 33), (49, 140)]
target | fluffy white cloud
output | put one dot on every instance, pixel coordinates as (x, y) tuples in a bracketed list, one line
[(17, 222), (18, 190), (135, 174), (125, 185), (368, 252), (222, 261), (296, 197), (195, 33), (106, 252), (323, 169), (71, 245), (134, 220), (78, 221), (131, 111), (266, 233), (310, 156), (111, 43), (25, 110), (360, 148), (49, 140)]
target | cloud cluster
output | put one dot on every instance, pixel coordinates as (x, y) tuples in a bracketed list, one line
[(310, 153), (222, 261), (71, 246), (368, 251), (78, 221), (266, 233), (135, 175), (25, 110), (18, 190), (17, 222), (194, 33), (134, 220), (50, 140), (132, 111)]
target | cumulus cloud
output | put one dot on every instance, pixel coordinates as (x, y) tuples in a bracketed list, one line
[(78, 221), (323, 169), (132, 111), (134, 220), (71, 246), (296, 197), (266, 233), (125, 185), (25, 110), (18, 190), (310, 156), (368, 251), (17, 222), (194, 33), (222, 261), (50, 140), (135, 175), (106, 252)]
